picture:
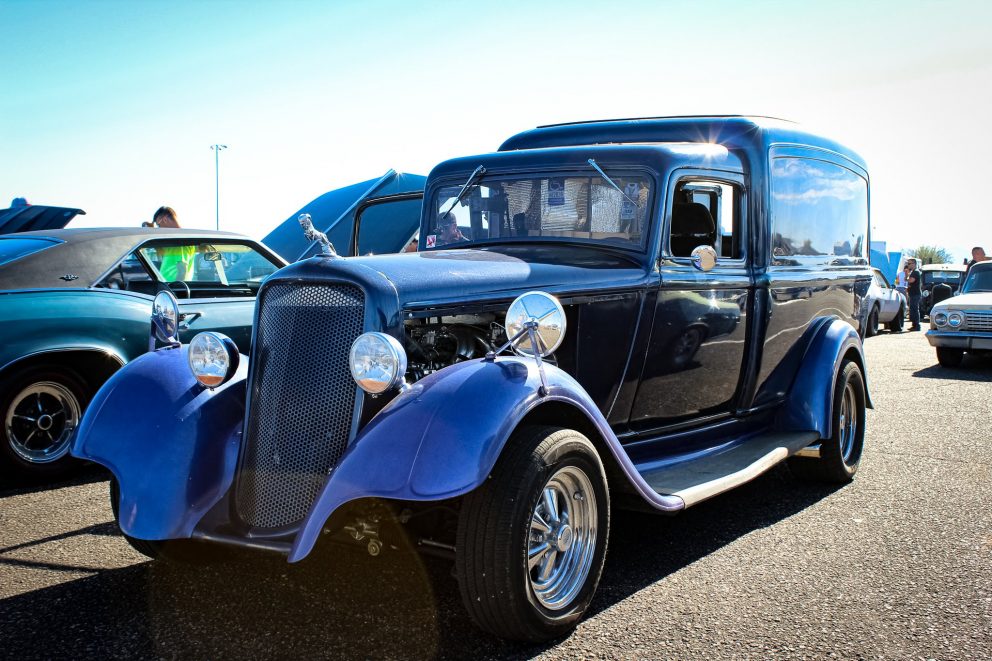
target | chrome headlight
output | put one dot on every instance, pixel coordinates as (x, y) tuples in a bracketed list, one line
[(955, 319), (213, 358), (377, 362), (940, 318)]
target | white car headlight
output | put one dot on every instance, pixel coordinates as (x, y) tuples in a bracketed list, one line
[(377, 362), (940, 318), (213, 358), (955, 319)]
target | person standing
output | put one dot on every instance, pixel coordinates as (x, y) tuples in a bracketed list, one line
[(915, 293), (177, 261), (901, 281), (977, 255)]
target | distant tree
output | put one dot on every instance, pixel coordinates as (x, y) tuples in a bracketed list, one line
[(931, 255)]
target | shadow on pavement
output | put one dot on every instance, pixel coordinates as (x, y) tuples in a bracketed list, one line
[(346, 604), (84, 474), (972, 368)]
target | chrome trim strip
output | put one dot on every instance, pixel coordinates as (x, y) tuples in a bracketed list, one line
[(810, 451), (108, 352)]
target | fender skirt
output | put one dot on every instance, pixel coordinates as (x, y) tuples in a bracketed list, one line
[(810, 403), (171, 443), (441, 437)]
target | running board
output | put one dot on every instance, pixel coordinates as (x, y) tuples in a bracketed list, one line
[(696, 479)]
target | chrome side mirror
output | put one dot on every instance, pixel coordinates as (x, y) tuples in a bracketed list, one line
[(703, 258), (543, 314), (165, 320)]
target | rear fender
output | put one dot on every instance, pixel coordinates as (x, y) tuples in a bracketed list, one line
[(809, 405), (171, 443), (441, 437)]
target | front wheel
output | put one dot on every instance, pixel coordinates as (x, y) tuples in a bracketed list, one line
[(949, 357), (840, 454), (532, 539), (40, 410)]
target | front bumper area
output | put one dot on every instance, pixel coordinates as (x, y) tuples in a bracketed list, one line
[(966, 340)]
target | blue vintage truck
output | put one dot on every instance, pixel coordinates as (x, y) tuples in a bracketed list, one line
[(641, 312)]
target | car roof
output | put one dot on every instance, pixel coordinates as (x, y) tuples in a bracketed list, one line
[(944, 267), (79, 257)]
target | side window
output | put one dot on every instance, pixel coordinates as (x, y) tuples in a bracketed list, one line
[(819, 214), (706, 213), (130, 275)]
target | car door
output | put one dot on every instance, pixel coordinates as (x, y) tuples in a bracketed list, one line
[(694, 361)]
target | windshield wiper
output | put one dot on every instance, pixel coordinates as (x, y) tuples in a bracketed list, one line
[(477, 174), (606, 177)]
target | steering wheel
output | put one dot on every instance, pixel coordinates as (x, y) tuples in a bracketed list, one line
[(174, 283)]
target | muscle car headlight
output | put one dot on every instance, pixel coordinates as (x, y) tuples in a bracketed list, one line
[(377, 362), (940, 318), (213, 358), (955, 319)]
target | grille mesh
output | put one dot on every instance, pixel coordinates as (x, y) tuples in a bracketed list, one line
[(979, 321), (302, 398)]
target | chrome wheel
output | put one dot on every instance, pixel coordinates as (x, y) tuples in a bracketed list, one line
[(848, 423), (562, 542), (40, 421)]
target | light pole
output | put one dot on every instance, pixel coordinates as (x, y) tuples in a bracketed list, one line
[(217, 149)]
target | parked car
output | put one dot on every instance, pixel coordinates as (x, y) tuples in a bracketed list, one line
[(964, 322), (951, 275), (74, 306), (885, 305), (492, 396)]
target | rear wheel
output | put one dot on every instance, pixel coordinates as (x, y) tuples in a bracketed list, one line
[(840, 454), (532, 539), (949, 357), (872, 328), (895, 325), (40, 409)]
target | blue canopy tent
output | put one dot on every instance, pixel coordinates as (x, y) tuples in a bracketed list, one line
[(390, 216)]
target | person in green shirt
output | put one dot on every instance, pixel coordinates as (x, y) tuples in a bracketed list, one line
[(177, 261)]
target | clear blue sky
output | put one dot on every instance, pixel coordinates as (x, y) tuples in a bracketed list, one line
[(112, 106)]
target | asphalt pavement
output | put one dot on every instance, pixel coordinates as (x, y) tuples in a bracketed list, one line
[(895, 565)]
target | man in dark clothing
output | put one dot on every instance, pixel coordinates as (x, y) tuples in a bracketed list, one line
[(914, 291)]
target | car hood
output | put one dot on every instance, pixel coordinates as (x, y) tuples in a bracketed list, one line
[(966, 301), (444, 277), (36, 217)]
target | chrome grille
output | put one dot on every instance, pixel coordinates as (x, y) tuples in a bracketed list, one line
[(978, 320), (302, 398)]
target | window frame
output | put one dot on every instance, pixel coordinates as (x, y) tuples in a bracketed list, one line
[(735, 180)]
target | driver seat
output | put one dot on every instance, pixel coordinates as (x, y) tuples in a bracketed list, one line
[(692, 226)]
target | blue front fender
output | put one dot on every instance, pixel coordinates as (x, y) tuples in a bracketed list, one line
[(810, 402), (171, 443), (442, 436)]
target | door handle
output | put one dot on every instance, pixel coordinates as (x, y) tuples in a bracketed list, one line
[(186, 318)]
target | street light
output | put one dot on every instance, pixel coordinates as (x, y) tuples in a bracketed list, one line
[(217, 149)]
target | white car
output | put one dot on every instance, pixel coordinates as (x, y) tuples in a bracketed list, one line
[(964, 322), (885, 305)]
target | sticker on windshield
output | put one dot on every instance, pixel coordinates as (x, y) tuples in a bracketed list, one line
[(556, 192), (431, 240), (628, 211)]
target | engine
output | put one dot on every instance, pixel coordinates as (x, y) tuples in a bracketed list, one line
[(436, 343)]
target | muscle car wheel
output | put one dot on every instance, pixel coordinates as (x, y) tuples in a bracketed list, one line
[(949, 357), (40, 410), (841, 453), (896, 324), (872, 328), (532, 539)]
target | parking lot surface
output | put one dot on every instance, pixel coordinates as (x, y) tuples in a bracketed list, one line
[(897, 565)]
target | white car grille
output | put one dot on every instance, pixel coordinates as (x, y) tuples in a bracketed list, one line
[(978, 321)]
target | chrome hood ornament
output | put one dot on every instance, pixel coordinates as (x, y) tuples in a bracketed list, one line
[(313, 234)]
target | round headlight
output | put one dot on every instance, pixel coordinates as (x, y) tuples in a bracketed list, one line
[(213, 358), (165, 317), (377, 362), (940, 318), (955, 319)]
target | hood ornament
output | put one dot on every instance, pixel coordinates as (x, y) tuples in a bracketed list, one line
[(313, 234)]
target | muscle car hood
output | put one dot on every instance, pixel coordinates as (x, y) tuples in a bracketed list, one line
[(972, 301), (36, 217)]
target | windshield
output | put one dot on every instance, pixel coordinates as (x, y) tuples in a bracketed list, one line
[(583, 208), (945, 277), (978, 280)]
